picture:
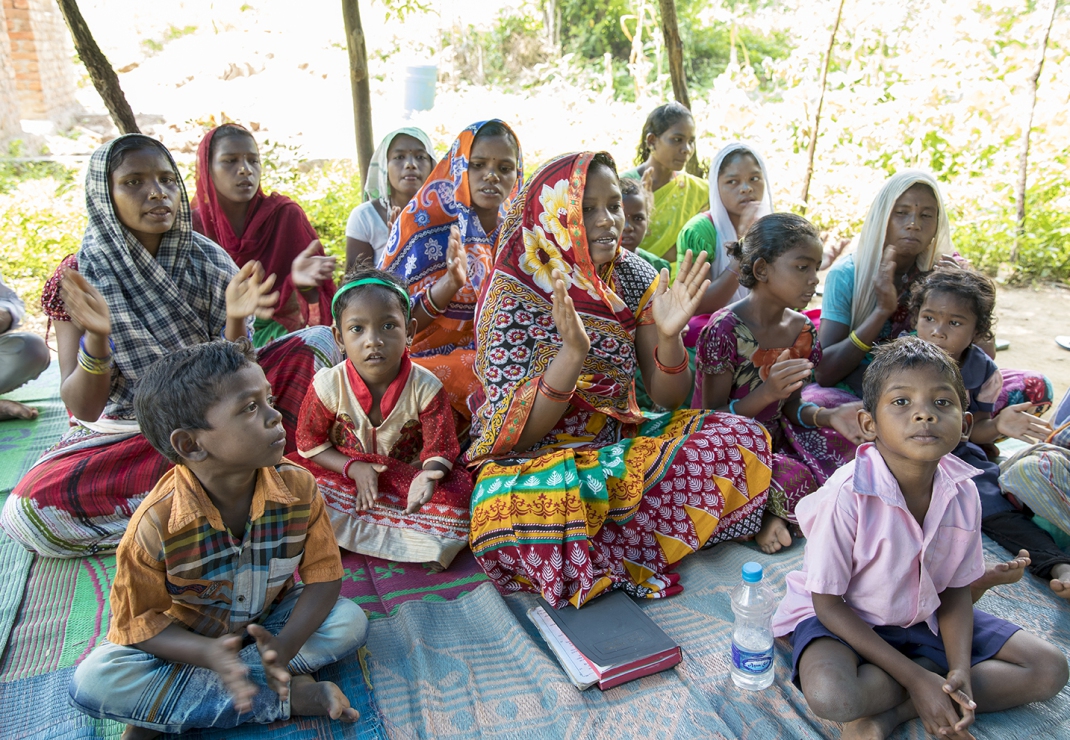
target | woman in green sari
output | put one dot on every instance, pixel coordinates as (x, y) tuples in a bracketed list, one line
[(668, 142)]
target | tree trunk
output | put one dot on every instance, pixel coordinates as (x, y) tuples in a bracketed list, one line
[(811, 150), (670, 28), (1023, 157), (100, 70), (358, 79)]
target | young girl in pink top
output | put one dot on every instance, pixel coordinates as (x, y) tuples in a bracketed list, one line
[(755, 355), (881, 618)]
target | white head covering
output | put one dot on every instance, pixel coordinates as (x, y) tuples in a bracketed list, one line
[(726, 232), (874, 231), (377, 183)]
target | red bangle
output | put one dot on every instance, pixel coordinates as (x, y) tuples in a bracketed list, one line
[(345, 468), (676, 370), (429, 304), (553, 394)]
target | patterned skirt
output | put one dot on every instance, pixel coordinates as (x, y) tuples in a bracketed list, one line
[(77, 499), (803, 461), (434, 534), (574, 522)]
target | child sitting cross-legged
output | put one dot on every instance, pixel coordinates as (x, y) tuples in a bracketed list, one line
[(208, 628), (881, 619), (377, 430)]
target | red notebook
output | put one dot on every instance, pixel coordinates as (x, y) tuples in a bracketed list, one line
[(608, 641)]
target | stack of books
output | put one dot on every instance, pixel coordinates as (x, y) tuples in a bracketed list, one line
[(608, 641)]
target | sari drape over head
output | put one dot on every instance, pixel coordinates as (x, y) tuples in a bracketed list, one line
[(870, 250), (158, 304), (276, 232), (416, 253), (609, 498), (726, 232)]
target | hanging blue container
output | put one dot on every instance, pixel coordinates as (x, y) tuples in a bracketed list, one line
[(420, 87)]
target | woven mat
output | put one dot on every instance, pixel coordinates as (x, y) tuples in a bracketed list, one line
[(381, 586), (38, 708), (476, 667)]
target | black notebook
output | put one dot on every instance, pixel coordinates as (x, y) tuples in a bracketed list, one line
[(612, 635)]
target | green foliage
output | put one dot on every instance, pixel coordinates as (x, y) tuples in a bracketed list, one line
[(14, 170), (987, 238), (40, 228), (327, 191)]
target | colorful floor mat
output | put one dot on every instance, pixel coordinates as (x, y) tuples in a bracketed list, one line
[(37, 708), (477, 668), (381, 586)]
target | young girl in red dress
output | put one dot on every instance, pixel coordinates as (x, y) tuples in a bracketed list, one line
[(377, 432)]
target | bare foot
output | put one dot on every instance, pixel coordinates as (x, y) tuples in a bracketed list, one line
[(139, 733), (997, 574), (879, 726), (312, 698), (774, 534), (1060, 580), (16, 410)]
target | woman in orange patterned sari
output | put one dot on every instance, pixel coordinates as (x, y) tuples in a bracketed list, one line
[(578, 493), (442, 248)]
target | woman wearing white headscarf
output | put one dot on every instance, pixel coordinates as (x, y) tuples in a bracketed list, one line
[(399, 166), (905, 234), (740, 194)]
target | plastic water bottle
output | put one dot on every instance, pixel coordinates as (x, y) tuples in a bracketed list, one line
[(752, 633)]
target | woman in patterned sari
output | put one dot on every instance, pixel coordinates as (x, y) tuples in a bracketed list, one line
[(577, 492), (442, 248), (143, 285)]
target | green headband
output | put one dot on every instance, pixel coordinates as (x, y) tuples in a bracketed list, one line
[(372, 281)]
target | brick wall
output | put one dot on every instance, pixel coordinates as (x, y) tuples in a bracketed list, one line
[(9, 101), (41, 55)]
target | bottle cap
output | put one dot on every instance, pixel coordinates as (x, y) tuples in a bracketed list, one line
[(752, 572)]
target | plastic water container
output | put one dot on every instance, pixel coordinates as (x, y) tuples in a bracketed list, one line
[(420, 84), (752, 634)]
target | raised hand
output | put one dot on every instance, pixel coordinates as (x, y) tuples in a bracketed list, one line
[(456, 260), (233, 672), (392, 216), (248, 293), (422, 489), (84, 303), (366, 478), (567, 320), (672, 307), (310, 269), (1016, 421), (275, 671), (748, 217), (887, 293), (787, 376), (844, 419)]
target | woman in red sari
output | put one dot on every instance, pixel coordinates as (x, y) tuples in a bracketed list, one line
[(231, 209)]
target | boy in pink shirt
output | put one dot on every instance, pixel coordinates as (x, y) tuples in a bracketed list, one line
[(881, 620)]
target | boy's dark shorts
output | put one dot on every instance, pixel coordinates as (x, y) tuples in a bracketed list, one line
[(990, 634)]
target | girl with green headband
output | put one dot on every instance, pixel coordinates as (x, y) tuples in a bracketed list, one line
[(378, 433)]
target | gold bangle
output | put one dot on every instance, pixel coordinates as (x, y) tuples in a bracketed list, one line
[(859, 343)]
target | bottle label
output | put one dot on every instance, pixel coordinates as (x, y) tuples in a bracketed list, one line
[(749, 662)]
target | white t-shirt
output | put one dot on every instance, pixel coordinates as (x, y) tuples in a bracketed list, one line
[(366, 225)]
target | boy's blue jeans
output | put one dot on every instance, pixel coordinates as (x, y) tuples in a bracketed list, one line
[(134, 687)]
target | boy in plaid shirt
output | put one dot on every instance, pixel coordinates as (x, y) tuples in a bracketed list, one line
[(208, 628)]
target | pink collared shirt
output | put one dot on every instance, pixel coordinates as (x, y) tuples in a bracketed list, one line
[(863, 543)]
